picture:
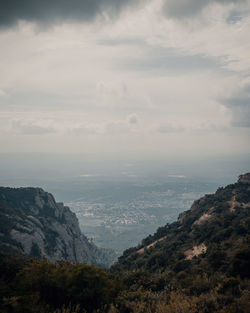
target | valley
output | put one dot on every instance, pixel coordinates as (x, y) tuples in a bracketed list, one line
[(120, 215)]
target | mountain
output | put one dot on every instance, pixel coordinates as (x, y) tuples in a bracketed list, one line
[(214, 235), (32, 223), (198, 264)]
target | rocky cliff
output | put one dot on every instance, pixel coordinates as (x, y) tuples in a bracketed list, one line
[(34, 224)]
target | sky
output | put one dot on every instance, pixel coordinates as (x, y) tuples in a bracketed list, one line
[(141, 78)]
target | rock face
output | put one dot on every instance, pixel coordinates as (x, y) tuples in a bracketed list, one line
[(33, 224)]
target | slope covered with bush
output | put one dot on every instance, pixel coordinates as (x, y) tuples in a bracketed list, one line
[(213, 235)]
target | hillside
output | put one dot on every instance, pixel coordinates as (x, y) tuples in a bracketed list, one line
[(198, 264), (33, 224), (213, 235)]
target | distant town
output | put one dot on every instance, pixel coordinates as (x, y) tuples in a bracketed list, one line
[(119, 224)]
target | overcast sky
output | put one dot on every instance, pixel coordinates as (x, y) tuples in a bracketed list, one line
[(122, 77)]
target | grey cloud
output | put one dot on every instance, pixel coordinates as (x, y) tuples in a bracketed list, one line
[(35, 100), (165, 59), (235, 16), (54, 11), (132, 119), (87, 129), (122, 126), (203, 126), (239, 105), (124, 41), (189, 8), (2, 93), (166, 129), (30, 127), (117, 127)]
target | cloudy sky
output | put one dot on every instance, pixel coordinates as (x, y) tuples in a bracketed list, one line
[(125, 77)]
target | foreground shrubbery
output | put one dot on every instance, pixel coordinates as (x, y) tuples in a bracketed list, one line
[(29, 285), (32, 286)]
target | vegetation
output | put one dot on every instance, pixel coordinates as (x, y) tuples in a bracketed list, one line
[(199, 264), (30, 285)]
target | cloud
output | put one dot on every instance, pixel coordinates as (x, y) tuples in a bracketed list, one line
[(2, 93), (166, 129), (109, 127), (87, 129), (132, 119), (191, 127), (236, 16), (55, 11), (117, 127), (31, 127), (122, 126), (239, 104), (190, 8), (170, 60)]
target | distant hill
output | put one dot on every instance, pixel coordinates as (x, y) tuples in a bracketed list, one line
[(33, 224), (214, 235)]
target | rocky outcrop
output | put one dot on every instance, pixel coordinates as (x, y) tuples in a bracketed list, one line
[(33, 224), (244, 178)]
